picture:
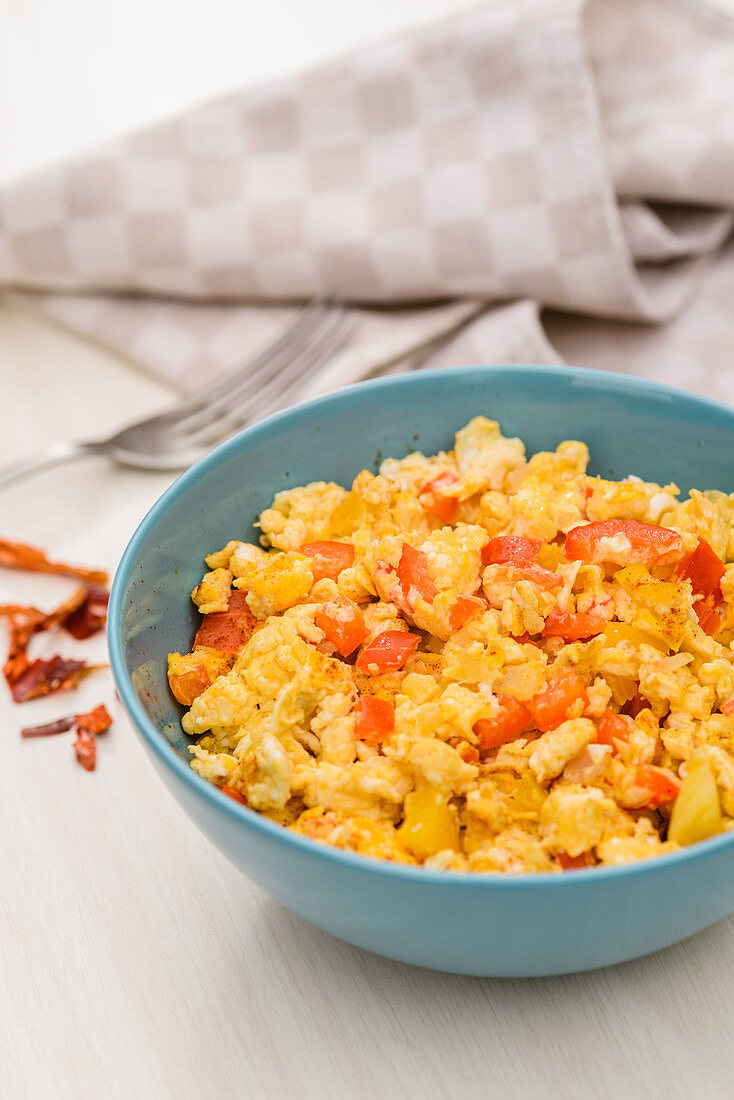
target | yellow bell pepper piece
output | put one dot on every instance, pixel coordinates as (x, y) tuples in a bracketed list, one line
[(346, 515), (659, 594), (697, 810), (662, 606), (528, 796), (616, 633), (429, 825), (632, 576)]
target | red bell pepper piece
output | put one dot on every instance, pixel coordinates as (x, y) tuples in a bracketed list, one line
[(468, 753), (611, 728), (436, 498), (576, 863), (572, 626), (465, 608), (624, 542), (233, 794), (188, 686), (510, 549), (389, 651), (704, 569), (550, 707), (329, 558), (709, 618), (544, 578), (413, 574), (343, 624), (662, 788), (374, 719), (512, 719), (227, 631)]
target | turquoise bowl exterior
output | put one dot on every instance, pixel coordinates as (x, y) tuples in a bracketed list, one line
[(469, 924)]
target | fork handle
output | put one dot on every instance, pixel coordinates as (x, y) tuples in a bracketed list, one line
[(52, 456)]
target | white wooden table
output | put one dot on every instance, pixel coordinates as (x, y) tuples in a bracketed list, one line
[(134, 961)]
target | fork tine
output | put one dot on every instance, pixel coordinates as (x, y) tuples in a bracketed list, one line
[(249, 388), (172, 440), (277, 393), (247, 391), (272, 396), (247, 383), (307, 320)]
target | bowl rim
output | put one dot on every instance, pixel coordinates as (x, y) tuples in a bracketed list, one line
[(164, 751)]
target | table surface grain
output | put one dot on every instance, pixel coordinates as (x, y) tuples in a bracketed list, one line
[(135, 961)]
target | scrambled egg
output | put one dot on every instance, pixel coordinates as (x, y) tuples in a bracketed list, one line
[(474, 661)]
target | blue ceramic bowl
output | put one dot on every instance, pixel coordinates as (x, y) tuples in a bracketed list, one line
[(469, 924)]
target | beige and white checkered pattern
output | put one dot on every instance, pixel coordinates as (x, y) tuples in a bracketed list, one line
[(524, 151)]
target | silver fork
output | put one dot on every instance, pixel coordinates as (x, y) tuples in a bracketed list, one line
[(174, 439)]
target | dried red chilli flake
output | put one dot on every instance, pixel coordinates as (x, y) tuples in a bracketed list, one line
[(61, 725), (90, 615), (85, 748), (60, 614), (47, 677), (19, 555), (22, 624), (88, 726), (82, 614), (94, 721), (22, 611)]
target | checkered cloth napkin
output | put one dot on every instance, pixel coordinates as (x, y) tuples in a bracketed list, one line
[(532, 181)]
